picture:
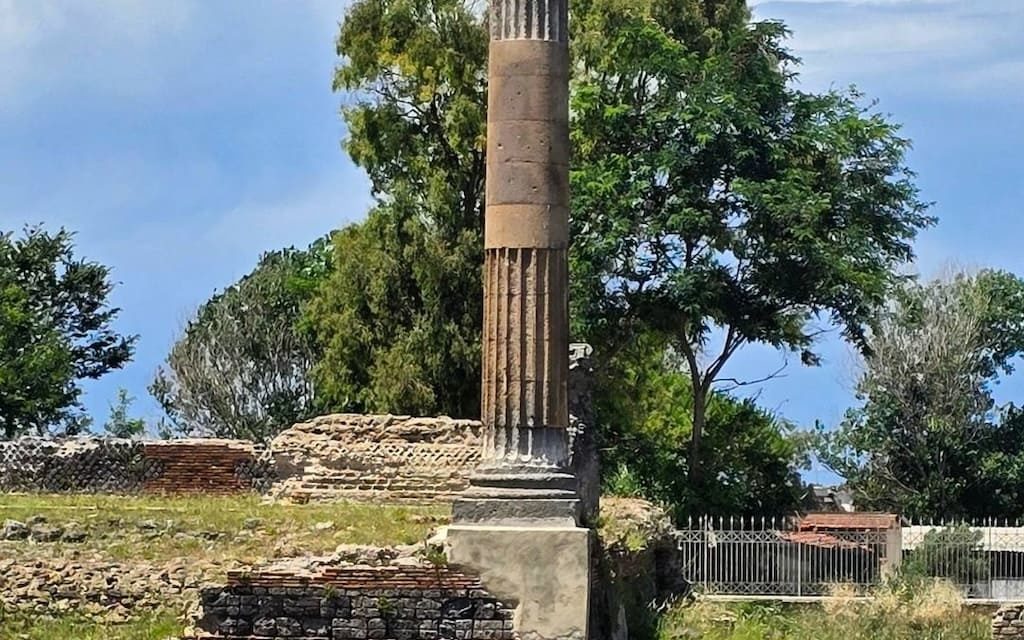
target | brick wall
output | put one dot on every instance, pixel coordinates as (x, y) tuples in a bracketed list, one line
[(354, 603), (346, 456), (110, 465)]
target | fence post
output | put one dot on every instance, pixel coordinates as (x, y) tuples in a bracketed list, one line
[(799, 570), (706, 534)]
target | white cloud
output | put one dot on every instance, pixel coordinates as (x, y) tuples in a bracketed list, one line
[(933, 46), (140, 50), (116, 46)]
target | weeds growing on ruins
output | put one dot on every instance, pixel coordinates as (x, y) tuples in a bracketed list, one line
[(895, 613)]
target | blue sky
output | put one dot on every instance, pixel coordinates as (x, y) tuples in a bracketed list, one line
[(181, 139)]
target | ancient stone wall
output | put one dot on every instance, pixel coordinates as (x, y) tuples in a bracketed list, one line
[(1008, 622), (111, 465), (336, 457), (637, 569), (354, 603), (363, 457), (383, 457)]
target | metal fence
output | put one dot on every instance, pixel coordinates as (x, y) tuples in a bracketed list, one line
[(745, 557), (984, 559)]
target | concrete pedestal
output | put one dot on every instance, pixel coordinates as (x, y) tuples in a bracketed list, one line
[(544, 571)]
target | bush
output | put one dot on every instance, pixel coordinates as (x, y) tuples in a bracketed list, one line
[(949, 552), (931, 611)]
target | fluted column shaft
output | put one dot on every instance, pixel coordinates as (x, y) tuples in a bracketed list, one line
[(526, 334)]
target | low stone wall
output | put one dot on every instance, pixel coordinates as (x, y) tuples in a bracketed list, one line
[(103, 591), (388, 458), (335, 457), (111, 465), (362, 457), (409, 601), (1008, 622)]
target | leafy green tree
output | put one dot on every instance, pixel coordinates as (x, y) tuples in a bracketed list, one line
[(928, 440), (56, 329), (120, 424), (711, 200), (717, 204), (646, 419), (242, 367), (954, 553), (399, 318)]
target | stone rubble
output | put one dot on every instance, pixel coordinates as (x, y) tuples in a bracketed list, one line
[(1008, 622)]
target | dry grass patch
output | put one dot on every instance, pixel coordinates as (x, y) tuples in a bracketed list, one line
[(899, 612)]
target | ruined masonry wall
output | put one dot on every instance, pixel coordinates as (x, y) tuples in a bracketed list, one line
[(336, 457), (367, 457), (111, 465), (364, 457), (1009, 622), (355, 603)]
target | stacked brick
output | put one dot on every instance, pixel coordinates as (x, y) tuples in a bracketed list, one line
[(1008, 622), (355, 603), (111, 465), (200, 466)]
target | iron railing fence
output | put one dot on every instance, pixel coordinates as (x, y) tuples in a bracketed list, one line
[(781, 558), (985, 559), (772, 557)]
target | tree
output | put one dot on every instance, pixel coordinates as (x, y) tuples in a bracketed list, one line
[(955, 553), (711, 199), (928, 440), (241, 369), (56, 329), (716, 204), (399, 318), (646, 419), (120, 424)]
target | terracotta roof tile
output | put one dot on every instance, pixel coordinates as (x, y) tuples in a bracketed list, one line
[(821, 540), (848, 521)]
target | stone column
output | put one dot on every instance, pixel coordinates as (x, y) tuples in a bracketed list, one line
[(518, 525), (526, 312)]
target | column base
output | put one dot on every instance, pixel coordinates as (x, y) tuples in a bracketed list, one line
[(503, 496), (544, 572)]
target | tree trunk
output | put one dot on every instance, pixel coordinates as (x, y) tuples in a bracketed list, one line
[(696, 471)]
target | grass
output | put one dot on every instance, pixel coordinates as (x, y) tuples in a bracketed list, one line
[(240, 529), (205, 535), (932, 612), (153, 626)]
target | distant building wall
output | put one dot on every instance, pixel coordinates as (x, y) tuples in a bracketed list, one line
[(335, 457)]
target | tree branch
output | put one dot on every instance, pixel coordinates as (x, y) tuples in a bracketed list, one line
[(736, 384)]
